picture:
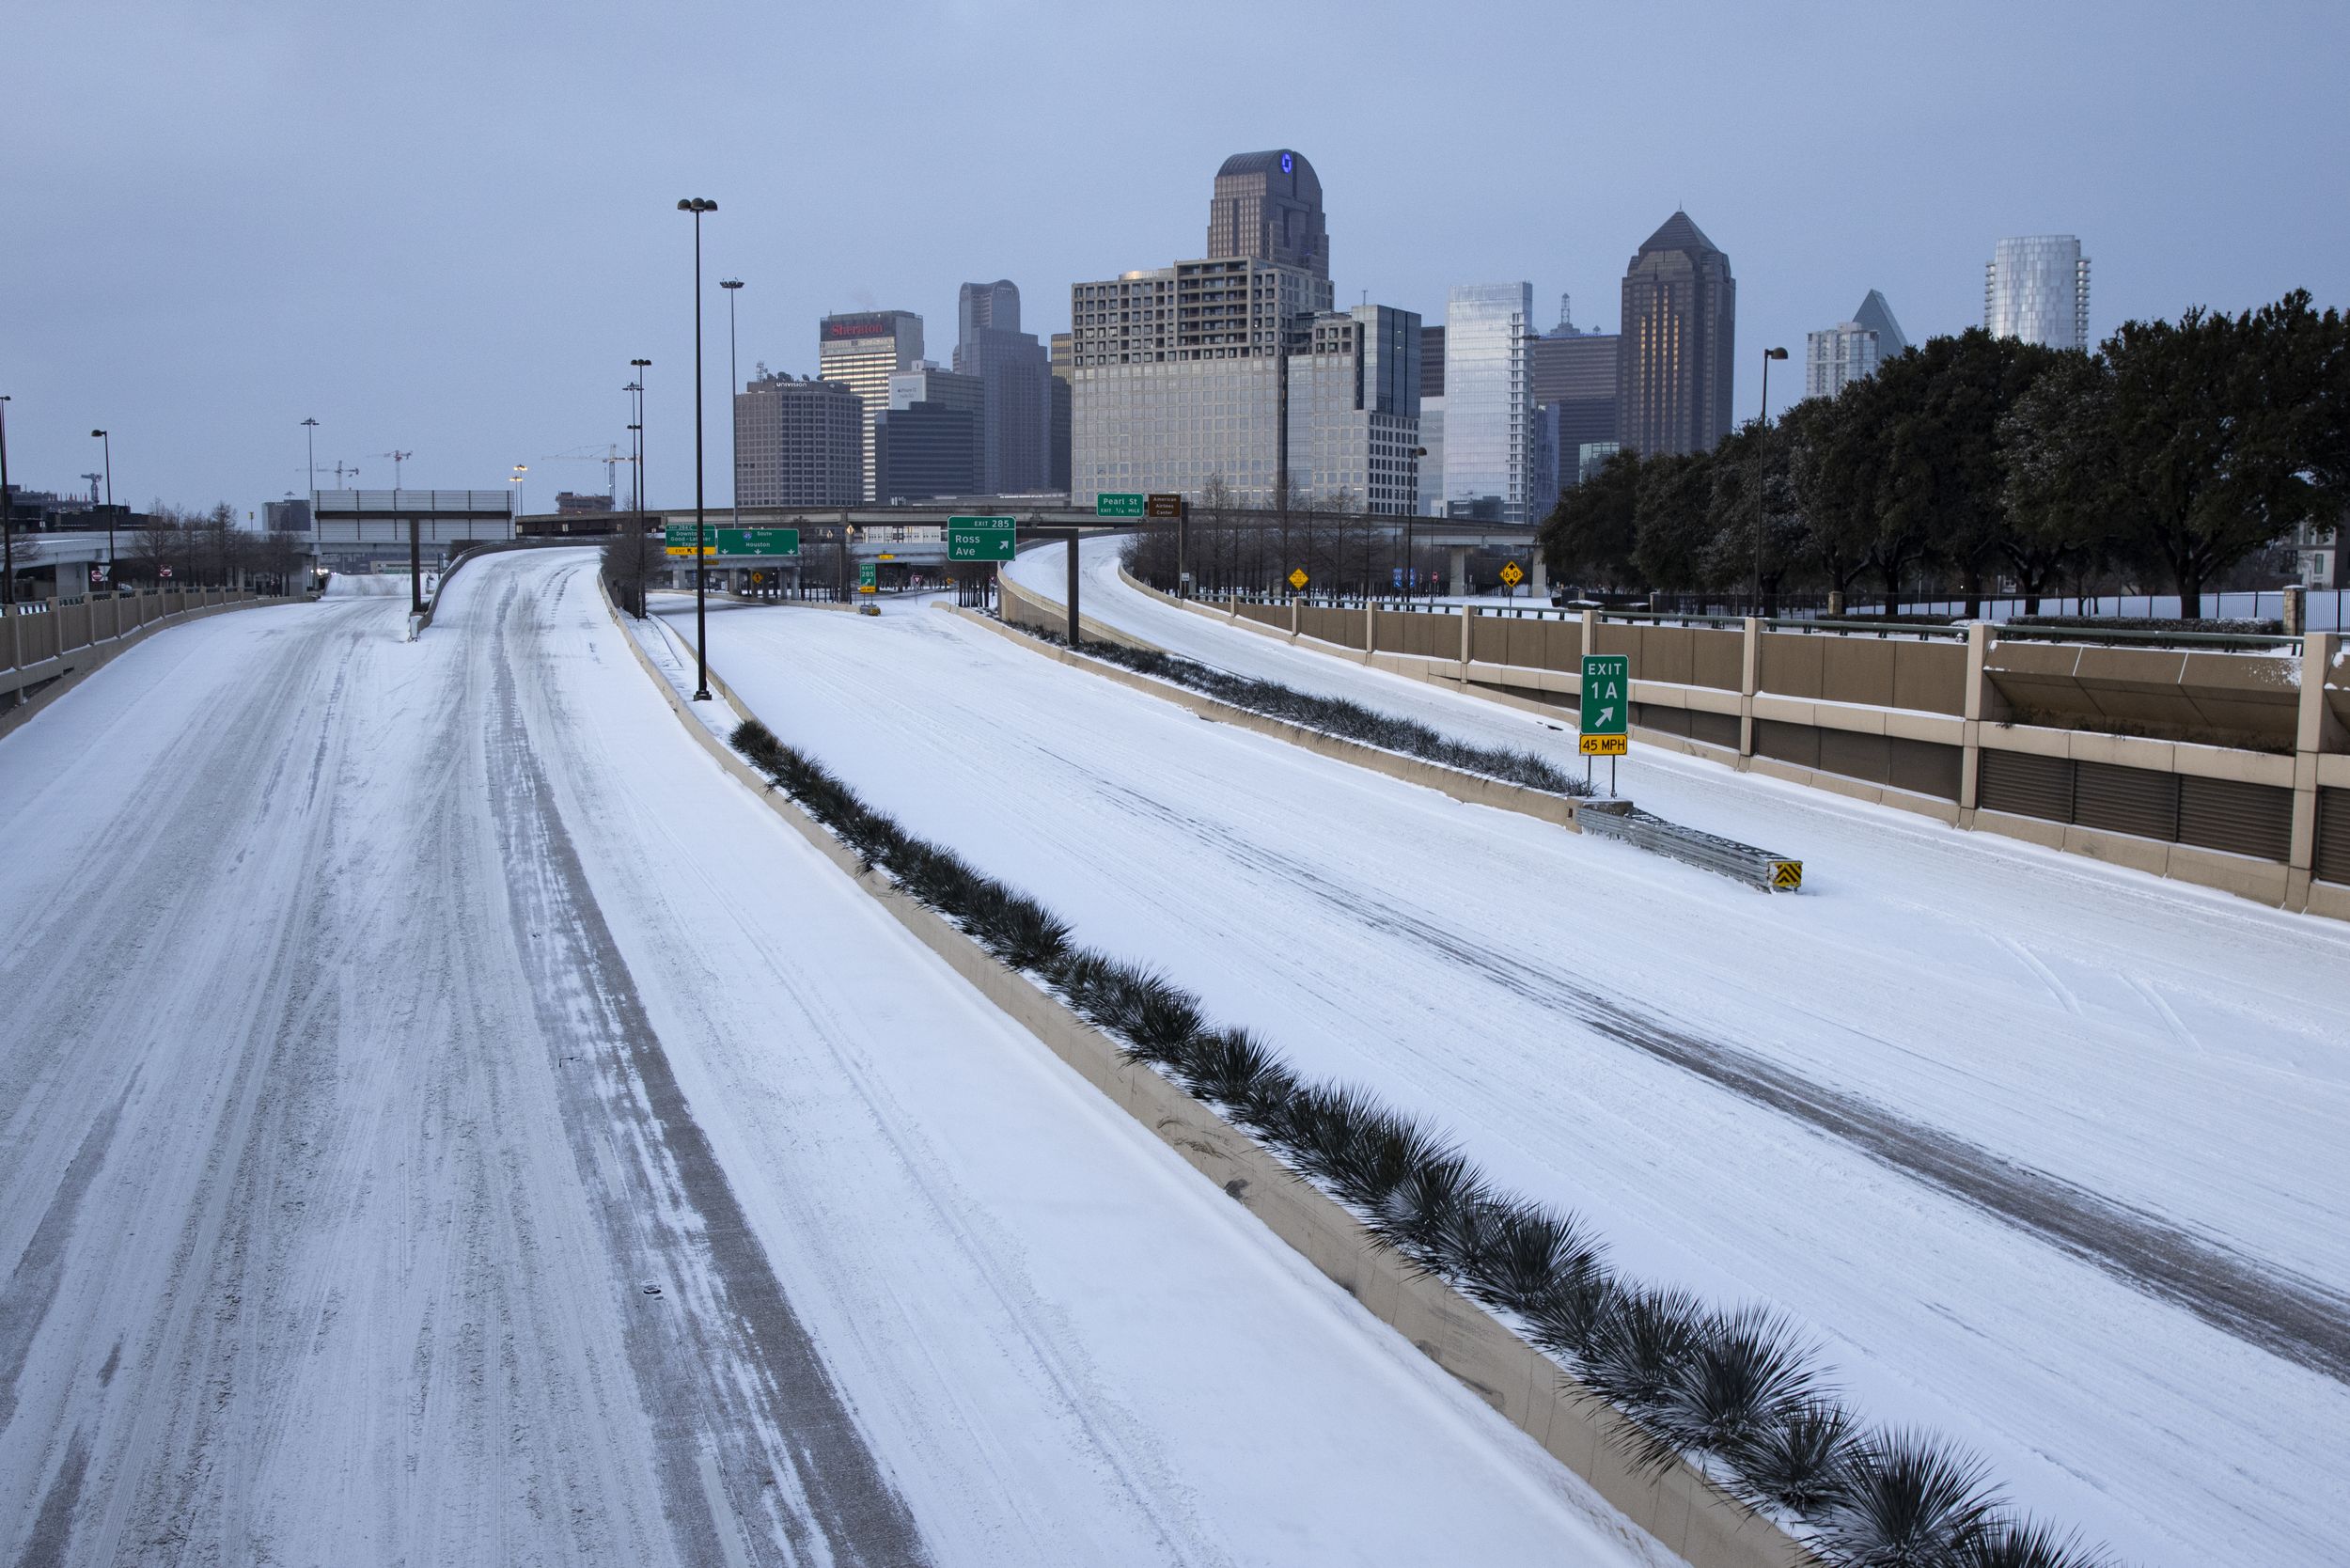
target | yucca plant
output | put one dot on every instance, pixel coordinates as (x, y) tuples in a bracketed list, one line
[(1519, 1252), (2028, 1544), (1802, 1460), (1741, 1379), (1638, 1347), (1912, 1503)]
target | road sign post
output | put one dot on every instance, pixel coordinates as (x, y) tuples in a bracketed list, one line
[(1511, 576), (869, 576), (1297, 579), (1605, 722), (1159, 504)]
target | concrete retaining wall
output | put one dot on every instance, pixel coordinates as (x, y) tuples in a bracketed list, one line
[(1899, 756), (1678, 1506), (64, 672), (1472, 787)]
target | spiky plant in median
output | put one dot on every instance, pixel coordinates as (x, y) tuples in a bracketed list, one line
[(1913, 1504), (1520, 1253), (1734, 1387), (1802, 1462), (2028, 1544), (1741, 1379), (1638, 1348)]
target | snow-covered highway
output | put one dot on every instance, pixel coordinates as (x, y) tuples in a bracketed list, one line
[(444, 1119), (1946, 1022)]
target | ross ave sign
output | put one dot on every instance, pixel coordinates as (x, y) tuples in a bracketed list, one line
[(1606, 723), (980, 538)]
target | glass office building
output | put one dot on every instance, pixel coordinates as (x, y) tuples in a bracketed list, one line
[(1014, 368), (862, 350), (1491, 451), (2036, 288), (1679, 336)]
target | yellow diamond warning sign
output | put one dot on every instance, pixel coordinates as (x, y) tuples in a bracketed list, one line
[(1297, 577), (1513, 574)]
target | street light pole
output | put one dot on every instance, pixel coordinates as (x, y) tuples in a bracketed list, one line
[(697, 206), (1761, 437), (7, 514), (735, 459), (636, 389), (311, 437), (108, 442)]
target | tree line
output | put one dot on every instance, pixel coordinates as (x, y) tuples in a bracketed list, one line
[(2169, 455), (186, 548)]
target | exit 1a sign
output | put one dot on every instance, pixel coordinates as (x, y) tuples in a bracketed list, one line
[(1607, 705)]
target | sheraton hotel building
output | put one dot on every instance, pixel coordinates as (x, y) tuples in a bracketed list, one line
[(1231, 370)]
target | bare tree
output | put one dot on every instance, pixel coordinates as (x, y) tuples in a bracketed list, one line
[(631, 557)]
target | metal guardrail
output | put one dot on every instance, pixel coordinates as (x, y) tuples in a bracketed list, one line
[(1756, 868), (2005, 633)]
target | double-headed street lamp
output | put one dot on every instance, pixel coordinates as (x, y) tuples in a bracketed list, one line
[(697, 206), (1761, 450), (108, 442)]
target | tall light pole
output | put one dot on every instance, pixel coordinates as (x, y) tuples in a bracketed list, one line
[(310, 437), (108, 443), (1760, 450), (697, 206), (636, 389), (7, 514), (734, 486)]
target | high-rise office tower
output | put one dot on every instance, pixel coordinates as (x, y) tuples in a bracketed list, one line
[(1574, 376), (1851, 350), (2036, 288), (798, 444), (1230, 371), (862, 350), (1062, 390), (1678, 342), (1015, 374), (1268, 206), (1491, 453)]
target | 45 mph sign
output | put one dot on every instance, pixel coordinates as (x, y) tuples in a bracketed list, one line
[(1607, 705)]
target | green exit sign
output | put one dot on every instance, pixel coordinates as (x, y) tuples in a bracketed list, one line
[(1109, 505), (981, 539), (678, 539)]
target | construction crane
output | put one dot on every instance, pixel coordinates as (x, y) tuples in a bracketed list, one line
[(397, 458), (611, 457), (93, 486)]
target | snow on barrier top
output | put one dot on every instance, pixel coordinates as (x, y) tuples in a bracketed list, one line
[(1758, 868)]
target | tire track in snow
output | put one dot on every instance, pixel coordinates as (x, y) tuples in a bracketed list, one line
[(748, 1420), (2289, 1316)]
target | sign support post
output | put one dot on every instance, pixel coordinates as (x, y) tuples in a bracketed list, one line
[(1606, 724)]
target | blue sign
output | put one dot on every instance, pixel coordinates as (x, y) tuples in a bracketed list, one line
[(1285, 163)]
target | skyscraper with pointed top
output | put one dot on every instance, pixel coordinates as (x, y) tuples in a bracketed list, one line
[(1679, 341)]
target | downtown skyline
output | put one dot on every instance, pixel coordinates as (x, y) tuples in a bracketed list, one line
[(475, 298)]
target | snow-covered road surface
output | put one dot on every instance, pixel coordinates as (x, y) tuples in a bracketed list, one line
[(444, 1119), (1797, 1100)]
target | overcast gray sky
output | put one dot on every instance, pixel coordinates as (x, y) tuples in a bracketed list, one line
[(447, 228)]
